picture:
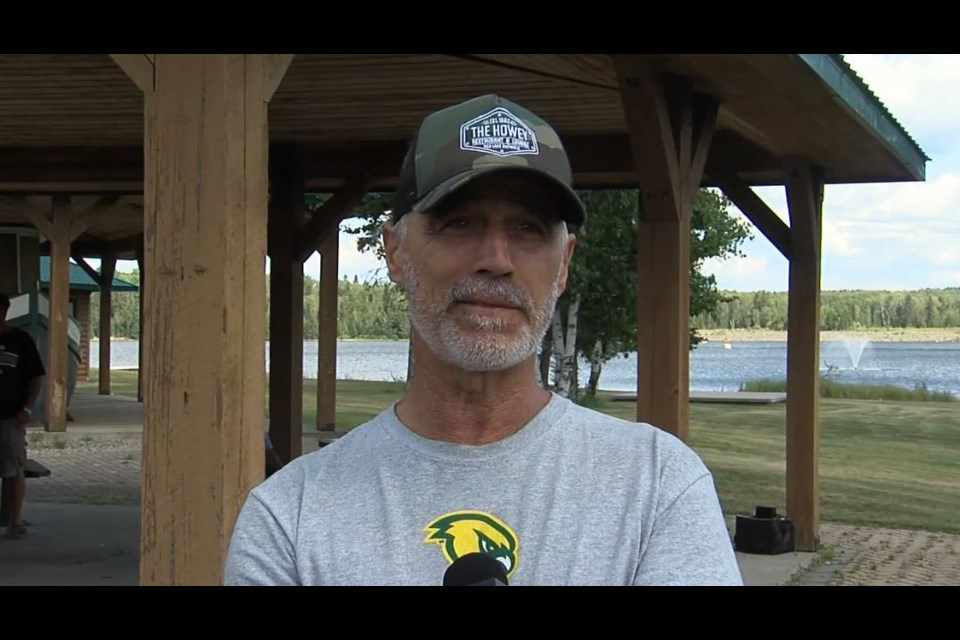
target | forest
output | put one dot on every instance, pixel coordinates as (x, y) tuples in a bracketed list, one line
[(377, 310)]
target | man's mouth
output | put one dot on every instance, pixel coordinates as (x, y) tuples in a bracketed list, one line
[(490, 303)]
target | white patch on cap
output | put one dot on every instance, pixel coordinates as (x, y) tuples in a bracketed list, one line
[(499, 133)]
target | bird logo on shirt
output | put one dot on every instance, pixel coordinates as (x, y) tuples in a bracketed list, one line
[(462, 532)]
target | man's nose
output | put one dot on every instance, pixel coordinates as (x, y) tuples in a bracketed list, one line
[(493, 254)]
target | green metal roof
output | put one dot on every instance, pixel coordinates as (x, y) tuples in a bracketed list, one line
[(854, 92), (79, 279)]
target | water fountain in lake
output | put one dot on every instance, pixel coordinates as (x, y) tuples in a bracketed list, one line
[(855, 347), (845, 353)]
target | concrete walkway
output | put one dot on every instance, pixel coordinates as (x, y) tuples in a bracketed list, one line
[(74, 545)]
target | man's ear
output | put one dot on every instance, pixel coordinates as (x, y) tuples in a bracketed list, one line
[(567, 258), (393, 250)]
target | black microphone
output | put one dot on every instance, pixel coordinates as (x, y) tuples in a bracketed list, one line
[(475, 570)]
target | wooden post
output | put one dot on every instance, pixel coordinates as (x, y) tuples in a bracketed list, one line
[(143, 318), (61, 229), (671, 127), (805, 200), (205, 224), (108, 266), (55, 404), (287, 211), (321, 233), (327, 348)]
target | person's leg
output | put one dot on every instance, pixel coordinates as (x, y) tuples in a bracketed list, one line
[(13, 458), (16, 528)]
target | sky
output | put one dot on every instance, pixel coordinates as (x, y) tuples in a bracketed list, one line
[(882, 236), (875, 236)]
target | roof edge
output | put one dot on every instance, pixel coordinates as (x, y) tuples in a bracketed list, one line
[(850, 88), (80, 280)]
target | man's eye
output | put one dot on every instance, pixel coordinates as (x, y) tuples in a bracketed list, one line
[(455, 224), (531, 227)]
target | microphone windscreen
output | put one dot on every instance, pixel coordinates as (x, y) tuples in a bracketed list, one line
[(475, 569)]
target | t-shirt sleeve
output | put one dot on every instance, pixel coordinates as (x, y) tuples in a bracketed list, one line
[(689, 543), (32, 363), (261, 553)]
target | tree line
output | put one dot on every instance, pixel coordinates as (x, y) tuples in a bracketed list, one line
[(365, 310), (839, 310), (378, 311)]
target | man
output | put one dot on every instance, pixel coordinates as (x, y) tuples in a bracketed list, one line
[(21, 375), (477, 457)]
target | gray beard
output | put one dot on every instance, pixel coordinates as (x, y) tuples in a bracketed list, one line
[(486, 347)]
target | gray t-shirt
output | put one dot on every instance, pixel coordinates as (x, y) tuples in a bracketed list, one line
[(575, 497)]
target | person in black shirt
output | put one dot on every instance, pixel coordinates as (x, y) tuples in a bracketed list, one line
[(21, 375)]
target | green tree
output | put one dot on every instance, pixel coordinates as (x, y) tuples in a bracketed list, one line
[(603, 273)]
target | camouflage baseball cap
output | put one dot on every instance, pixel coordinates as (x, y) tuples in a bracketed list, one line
[(453, 146)]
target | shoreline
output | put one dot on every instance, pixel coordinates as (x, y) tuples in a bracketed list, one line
[(951, 335)]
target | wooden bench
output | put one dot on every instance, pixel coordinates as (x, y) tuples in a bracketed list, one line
[(32, 469)]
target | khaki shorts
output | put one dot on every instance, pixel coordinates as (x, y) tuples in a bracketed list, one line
[(13, 448)]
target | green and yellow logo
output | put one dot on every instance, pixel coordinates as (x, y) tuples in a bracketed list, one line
[(462, 532)]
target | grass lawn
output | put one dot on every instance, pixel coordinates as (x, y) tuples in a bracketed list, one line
[(882, 463)]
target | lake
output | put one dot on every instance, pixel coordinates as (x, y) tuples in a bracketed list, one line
[(712, 368)]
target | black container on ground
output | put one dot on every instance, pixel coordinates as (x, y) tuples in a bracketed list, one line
[(765, 532)]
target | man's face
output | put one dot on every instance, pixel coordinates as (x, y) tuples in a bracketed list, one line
[(482, 278)]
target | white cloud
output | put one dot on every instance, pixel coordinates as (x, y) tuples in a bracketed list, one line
[(933, 201), (945, 257), (352, 261), (748, 273), (919, 89), (838, 237)]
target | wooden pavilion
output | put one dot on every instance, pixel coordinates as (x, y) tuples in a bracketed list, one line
[(197, 165)]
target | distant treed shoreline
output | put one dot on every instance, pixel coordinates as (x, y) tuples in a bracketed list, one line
[(377, 311), (766, 335), (840, 311), (874, 335)]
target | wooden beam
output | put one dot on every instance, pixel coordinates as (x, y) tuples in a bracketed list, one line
[(83, 264), (55, 406), (96, 249), (756, 210), (584, 70), (108, 267), (73, 166), (38, 217), (671, 129), (327, 347), (652, 139), (139, 67), (603, 159), (275, 66), (142, 299), (92, 186), (332, 212), (82, 220), (287, 204), (805, 199), (695, 130), (205, 248), (78, 221)]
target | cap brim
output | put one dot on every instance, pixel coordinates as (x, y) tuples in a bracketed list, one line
[(572, 210)]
